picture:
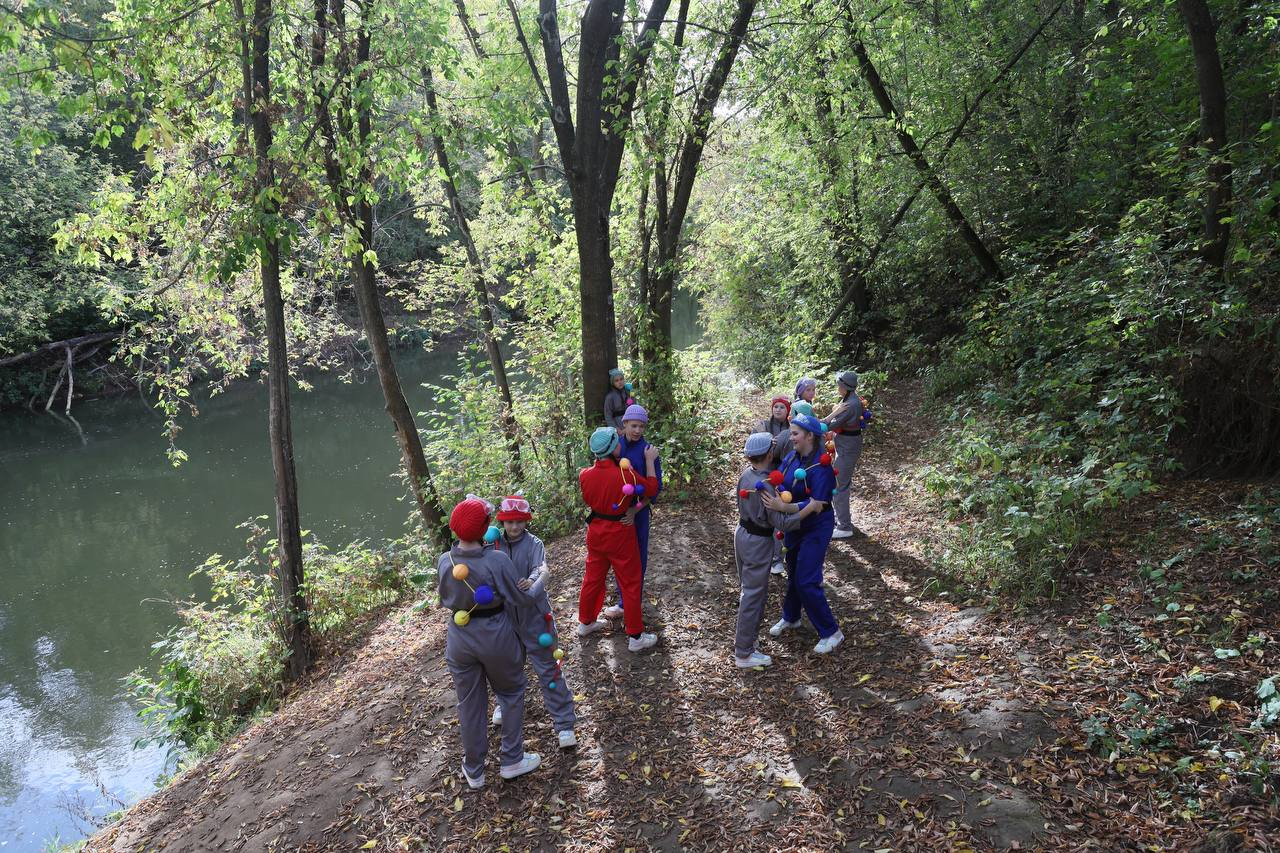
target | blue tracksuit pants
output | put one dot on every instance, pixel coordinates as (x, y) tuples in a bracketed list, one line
[(806, 550)]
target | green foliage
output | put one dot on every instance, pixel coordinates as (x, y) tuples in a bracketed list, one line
[(225, 660)]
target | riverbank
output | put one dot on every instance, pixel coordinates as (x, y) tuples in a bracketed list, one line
[(939, 724)]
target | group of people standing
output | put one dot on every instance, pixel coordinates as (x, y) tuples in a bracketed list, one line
[(792, 501)]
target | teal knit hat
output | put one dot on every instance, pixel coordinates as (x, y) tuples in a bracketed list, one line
[(603, 440)]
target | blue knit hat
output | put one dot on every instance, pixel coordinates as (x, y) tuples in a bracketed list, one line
[(805, 384), (603, 440), (758, 444), (808, 423), (635, 412)]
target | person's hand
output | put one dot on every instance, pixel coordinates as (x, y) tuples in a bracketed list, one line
[(650, 453), (777, 504), (524, 584), (631, 513), (628, 518)]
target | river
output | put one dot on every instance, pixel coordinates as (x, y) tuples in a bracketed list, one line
[(100, 533)]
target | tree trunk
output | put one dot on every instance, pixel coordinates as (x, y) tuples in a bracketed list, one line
[(591, 144), (364, 281), (480, 289), (931, 179), (1213, 129), (288, 526)]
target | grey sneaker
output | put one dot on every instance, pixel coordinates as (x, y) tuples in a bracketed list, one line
[(782, 625), (644, 641), (753, 660), (525, 765), (476, 782)]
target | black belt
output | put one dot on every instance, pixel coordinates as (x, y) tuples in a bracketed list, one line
[(755, 529), (848, 432), (485, 614), (599, 515)]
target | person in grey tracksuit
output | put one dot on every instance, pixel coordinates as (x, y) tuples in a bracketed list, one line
[(483, 651), (845, 427), (534, 621), (753, 548), (616, 399)]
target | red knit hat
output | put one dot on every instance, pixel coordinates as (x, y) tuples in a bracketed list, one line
[(783, 399), (514, 508), (469, 520)]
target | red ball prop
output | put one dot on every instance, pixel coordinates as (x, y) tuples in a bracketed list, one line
[(547, 616), (744, 494), (778, 534), (825, 459), (775, 478)]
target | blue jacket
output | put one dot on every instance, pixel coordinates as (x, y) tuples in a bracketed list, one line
[(635, 453), (819, 483)]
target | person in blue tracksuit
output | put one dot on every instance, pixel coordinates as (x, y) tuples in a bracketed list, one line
[(631, 446), (807, 475)]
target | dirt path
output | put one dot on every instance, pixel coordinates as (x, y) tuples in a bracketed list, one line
[(933, 727)]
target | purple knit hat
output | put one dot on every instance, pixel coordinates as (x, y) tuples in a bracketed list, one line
[(635, 412)]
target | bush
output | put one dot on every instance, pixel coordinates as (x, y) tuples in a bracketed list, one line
[(225, 660), (1060, 398)]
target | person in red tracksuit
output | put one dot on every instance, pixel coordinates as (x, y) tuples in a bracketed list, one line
[(609, 487)]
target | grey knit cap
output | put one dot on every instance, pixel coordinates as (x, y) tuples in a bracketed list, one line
[(848, 378), (758, 444)]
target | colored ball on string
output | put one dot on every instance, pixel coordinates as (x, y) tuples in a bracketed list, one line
[(800, 474), (484, 595), (628, 489), (831, 446), (835, 471), (743, 493), (785, 496), (778, 534), (624, 464), (631, 401), (775, 478), (460, 572), (491, 535), (639, 488), (551, 685), (825, 459), (545, 640), (825, 427), (558, 654), (546, 616), (461, 618), (628, 386), (759, 485)]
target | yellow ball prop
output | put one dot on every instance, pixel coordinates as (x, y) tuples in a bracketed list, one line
[(558, 654), (461, 618), (624, 464), (786, 497), (460, 572)]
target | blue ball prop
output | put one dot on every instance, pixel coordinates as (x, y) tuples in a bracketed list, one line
[(628, 386), (759, 485), (800, 474), (491, 535), (551, 685), (639, 488), (545, 639), (484, 595), (825, 427)]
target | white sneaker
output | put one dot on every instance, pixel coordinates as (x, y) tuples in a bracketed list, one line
[(613, 611), (753, 660), (585, 628), (842, 533), (782, 625), (525, 765), (828, 644), (779, 568), (497, 715), (476, 783), (567, 739), (644, 641)]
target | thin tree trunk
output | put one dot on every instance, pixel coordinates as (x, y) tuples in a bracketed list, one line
[(480, 289), (1213, 129), (931, 179), (288, 526), (364, 282)]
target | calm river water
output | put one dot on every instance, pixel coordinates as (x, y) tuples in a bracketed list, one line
[(97, 536)]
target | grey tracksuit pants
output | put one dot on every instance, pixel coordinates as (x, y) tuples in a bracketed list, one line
[(754, 556), (482, 654), (848, 449), (558, 701)]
